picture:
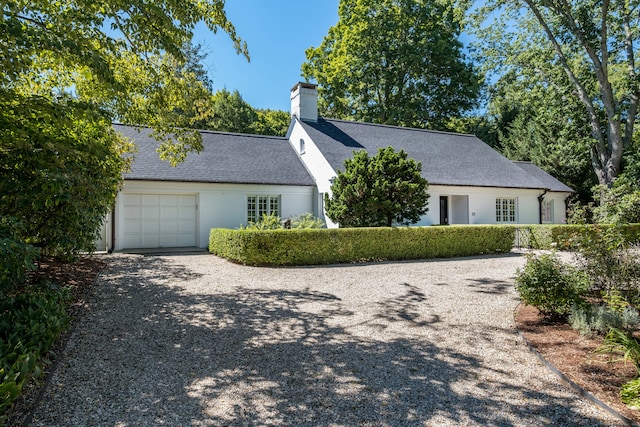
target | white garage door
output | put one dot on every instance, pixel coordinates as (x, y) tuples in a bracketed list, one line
[(158, 220)]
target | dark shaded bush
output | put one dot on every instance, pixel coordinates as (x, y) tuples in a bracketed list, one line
[(16, 257), (30, 322)]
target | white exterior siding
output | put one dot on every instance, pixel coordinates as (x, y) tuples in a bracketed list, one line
[(316, 164), (217, 205), (559, 207), (478, 205), (466, 205)]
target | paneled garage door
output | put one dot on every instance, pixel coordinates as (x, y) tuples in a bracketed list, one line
[(158, 220)]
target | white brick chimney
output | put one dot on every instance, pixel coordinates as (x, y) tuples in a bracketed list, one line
[(304, 101)]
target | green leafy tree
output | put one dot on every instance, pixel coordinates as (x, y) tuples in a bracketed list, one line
[(127, 58), (378, 191), (540, 122), (396, 62), (61, 167), (587, 51), (69, 69), (230, 113), (272, 122)]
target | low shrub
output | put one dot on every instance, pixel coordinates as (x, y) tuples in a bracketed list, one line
[(307, 220), (623, 343), (551, 285), (326, 246), (599, 319), (612, 263), (17, 258), (30, 323), (267, 222), (274, 222)]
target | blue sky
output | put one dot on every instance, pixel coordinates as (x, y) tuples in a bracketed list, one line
[(277, 33)]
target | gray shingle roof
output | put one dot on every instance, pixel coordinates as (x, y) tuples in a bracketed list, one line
[(447, 158), (226, 158), (547, 180)]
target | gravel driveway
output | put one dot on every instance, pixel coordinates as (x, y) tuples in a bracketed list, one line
[(193, 340)]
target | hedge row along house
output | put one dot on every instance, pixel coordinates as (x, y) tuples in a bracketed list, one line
[(237, 178)]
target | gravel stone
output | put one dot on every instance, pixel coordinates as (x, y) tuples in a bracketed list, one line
[(194, 340)]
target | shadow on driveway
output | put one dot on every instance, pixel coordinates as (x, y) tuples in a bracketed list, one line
[(149, 352)]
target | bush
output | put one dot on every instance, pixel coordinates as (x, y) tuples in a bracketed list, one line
[(619, 205), (569, 237), (623, 343), (267, 222), (274, 222), (60, 172), (326, 246), (599, 319), (612, 263), (16, 257), (29, 325), (551, 286), (630, 393), (307, 220)]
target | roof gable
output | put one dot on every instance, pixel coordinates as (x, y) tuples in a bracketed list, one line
[(447, 158), (226, 158)]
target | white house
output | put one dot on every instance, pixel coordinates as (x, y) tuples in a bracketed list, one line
[(469, 182), (238, 177), (234, 180)]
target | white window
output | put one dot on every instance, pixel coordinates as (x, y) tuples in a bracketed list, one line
[(302, 146), (257, 206), (547, 211), (506, 209)]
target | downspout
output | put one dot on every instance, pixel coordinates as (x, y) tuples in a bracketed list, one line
[(540, 200), (113, 228)]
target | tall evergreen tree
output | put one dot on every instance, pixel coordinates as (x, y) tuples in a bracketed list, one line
[(378, 191)]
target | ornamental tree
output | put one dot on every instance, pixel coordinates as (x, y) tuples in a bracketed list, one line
[(378, 191)]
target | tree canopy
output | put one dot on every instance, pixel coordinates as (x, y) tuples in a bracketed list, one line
[(543, 124), (582, 50), (228, 112), (68, 69), (378, 191), (130, 59), (396, 62)]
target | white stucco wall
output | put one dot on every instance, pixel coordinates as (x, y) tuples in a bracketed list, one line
[(219, 205), (316, 164), (472, 205), (481, 204), (559, 206)]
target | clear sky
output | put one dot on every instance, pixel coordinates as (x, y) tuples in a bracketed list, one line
[(277, 33)]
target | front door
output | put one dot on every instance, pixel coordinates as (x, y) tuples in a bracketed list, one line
[(444, 210)]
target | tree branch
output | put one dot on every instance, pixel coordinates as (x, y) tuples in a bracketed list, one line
[(596, 131), (635, 89), (600, 65), (604, 50)]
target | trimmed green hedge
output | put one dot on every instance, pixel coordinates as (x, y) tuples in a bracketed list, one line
[(328, 246), (562, 236)]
